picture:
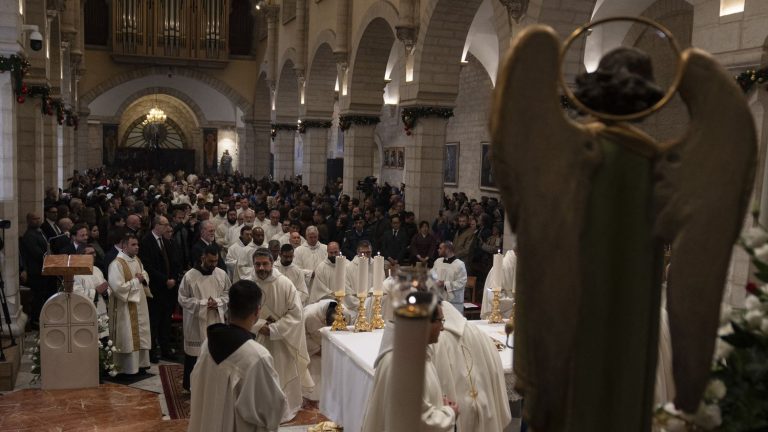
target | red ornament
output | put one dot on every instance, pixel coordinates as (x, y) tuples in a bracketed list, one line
[(20, 99), (752, 288), (24, 89), (408, 132)]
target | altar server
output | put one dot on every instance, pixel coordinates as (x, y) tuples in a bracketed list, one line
[(240, 256), (288, 268), (451, 275), (94, 287)]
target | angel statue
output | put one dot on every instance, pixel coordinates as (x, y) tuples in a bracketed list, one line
[(593, 204)]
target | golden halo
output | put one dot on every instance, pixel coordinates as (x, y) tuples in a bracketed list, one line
[(623, 117)]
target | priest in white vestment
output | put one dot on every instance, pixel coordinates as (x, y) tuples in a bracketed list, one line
[(258, 240), (289, 269), (236, 385), (203, 296), (471, 373), (273, 227), (281, 330), (128, 311), (240, 256), (322, 278), (294, 227), (234, 233), (93, 287), (351, 301), (503, 278), (451, 276), (309, 255), (316, 316), (438, 413), (222, 231)]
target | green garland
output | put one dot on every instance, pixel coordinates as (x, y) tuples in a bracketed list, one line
[(346, 121), (314, 124), (750, 77), (410, 115), (18, 66), (276, 127)]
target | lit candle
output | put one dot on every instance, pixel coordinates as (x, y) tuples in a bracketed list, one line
[(340, 276), (362, 276), (498, 271), (378, 275)]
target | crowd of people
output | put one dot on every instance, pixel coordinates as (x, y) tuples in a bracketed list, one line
[(174, 242)]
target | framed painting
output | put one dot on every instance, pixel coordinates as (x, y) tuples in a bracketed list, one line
[(210, 150), (451, 165), (486, 174)]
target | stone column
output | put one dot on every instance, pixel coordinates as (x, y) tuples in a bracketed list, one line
[(83, 145), (273, 13), (29, 133), (424, 168), (51, 150), (284, 147), (315, 163), (257, 133), (358, 151), (9, 192)]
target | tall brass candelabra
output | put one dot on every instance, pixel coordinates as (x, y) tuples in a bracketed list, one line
[(377, 322), (340, 323), (362, 325)]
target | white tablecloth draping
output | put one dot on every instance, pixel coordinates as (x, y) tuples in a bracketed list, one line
[(347, 360)]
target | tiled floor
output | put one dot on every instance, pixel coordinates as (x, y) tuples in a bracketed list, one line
[(134, 408)]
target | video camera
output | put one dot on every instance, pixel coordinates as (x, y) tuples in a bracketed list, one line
[(366, 185)]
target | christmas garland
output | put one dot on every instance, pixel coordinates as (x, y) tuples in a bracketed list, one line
[(409, 115), (19, 66), (276, 127), (346, 121), (749, 77), (309, 124)]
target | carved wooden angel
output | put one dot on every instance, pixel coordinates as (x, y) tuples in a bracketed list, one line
[(592, 206)]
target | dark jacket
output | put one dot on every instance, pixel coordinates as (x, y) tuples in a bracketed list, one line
[(395, 246)]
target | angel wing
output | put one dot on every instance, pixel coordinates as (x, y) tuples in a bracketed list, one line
[(707, 181), (542, 164)]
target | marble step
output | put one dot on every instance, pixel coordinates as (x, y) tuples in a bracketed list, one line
[(9, 369)]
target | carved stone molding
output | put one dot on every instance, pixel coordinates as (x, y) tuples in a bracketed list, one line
[(408, 36), (515, 8)]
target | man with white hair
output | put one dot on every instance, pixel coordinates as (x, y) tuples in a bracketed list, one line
[(309, 255), (207, 237), (272, 227)]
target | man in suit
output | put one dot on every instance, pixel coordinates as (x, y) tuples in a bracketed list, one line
[(207, 236), (49, 227), (115, 239), (153, 252), (394, 243), (61, 241), (79, 236), (33, 248)]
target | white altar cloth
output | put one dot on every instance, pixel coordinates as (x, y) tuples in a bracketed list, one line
[(347, 360)]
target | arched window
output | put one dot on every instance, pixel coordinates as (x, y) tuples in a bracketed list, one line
[(96, 22), (240, 28)]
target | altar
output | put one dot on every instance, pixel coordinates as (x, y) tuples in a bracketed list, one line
[(347, 362)]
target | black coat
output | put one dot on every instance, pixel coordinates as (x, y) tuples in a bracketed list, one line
[(33, 247), (197, 251), (396, 247), (155, 263)]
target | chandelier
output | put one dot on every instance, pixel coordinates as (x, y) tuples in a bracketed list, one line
[(156, 116)]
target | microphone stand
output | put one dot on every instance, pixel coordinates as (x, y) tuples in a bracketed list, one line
[(6, 312)]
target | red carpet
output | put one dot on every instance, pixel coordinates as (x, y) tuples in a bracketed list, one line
[(178, 400)]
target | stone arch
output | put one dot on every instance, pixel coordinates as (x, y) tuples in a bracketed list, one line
[(443, 31), (189, 103), (287, 96), (326, 36), (321, 80), (230, 93), (289, 55), (368, 66)]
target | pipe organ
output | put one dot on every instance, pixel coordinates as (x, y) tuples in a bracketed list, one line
[(173, 29)]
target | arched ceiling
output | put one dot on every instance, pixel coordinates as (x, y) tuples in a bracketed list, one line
[(214, 104)]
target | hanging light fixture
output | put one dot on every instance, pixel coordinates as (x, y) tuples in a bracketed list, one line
[(156, 115)]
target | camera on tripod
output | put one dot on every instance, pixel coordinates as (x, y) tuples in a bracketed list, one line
[(366, 185), (5, 224)]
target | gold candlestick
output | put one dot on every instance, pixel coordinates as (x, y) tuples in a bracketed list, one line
[(495, 317), (340, 323), (362, 325), (377, 322)]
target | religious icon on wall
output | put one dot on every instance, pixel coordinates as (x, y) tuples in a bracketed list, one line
[(109, 144), (451, 164), (210, 150), (486, 176), (401, 157)]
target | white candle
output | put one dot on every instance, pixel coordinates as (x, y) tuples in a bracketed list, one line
[(498, 271), (340, 276), (362, 276), (378, 275)]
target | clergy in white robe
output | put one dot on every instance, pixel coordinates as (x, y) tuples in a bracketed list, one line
[(289, 269), (128, 311), (436, 415), (203, 296), (92, 287), (281, 330), (239, 259), (451, 276), (316, 316), (322, 280), (222, 231), (308, 256), (273, 227), (258, 240), (471, 374), (503, 278), (236, 385), (351, 301)]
